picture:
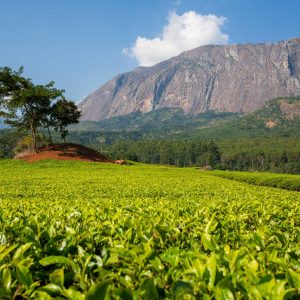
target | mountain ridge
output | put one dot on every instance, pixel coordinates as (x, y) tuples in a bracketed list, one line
[(278, 116), (227, 78)]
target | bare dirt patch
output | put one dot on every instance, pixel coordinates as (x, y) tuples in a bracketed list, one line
[(65, 152)]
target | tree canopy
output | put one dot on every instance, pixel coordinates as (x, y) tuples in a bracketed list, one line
[(63, 113), (28, 106)]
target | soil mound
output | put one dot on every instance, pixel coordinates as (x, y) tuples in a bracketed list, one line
[(64, 152)]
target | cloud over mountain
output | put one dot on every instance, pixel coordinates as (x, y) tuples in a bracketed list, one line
[(183, 32)]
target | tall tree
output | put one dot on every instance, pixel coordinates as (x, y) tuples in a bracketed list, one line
[(24, 104)]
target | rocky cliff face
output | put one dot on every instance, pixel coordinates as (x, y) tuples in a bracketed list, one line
[(233, 78)]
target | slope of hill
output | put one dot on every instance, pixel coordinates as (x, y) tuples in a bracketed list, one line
[(232, 78), (165, 119), (278, 117), (64, 152), (265, 140)]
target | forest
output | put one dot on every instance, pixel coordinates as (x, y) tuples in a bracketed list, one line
[(274, 154)]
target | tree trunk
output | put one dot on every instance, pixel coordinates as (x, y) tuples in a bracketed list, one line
[(33, 134)]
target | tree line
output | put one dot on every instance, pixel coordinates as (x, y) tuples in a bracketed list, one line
[(203, 153), (284, 162), (183, 153), (28, 106), (179, 153)]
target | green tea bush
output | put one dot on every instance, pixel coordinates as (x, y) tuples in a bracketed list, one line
[(71, 230), (283, 181)]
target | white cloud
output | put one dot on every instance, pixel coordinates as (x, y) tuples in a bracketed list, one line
[(183, 32)]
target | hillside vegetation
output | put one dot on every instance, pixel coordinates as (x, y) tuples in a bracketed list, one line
[(265, 140), (280, 117), (166, 121), (74, 230)]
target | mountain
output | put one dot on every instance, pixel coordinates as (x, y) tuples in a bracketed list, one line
[(227, 78)]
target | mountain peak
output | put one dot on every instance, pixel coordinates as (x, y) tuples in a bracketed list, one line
[(225, 78)]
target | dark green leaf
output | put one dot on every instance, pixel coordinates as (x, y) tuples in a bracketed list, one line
[(98, 291)]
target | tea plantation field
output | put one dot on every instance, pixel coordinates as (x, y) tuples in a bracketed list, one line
[(71, 230), (283, 181)]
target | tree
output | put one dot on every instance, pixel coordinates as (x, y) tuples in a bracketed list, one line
[(23, 104), (64, 113), (10, 80)]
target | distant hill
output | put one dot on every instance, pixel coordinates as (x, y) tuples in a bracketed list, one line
[(266, 140), (226, 78), (278, 117), (173, 120)]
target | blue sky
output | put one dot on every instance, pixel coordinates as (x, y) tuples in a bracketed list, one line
[(80, 44)]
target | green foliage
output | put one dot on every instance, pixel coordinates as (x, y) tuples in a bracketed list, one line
[(168, 123), (156, 123), (245, 142), (288, 182), (64, 113), (71, 230), (179, 153), (28, 106), (24, 104), (8, 142), (255, 125), (274, 154)]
